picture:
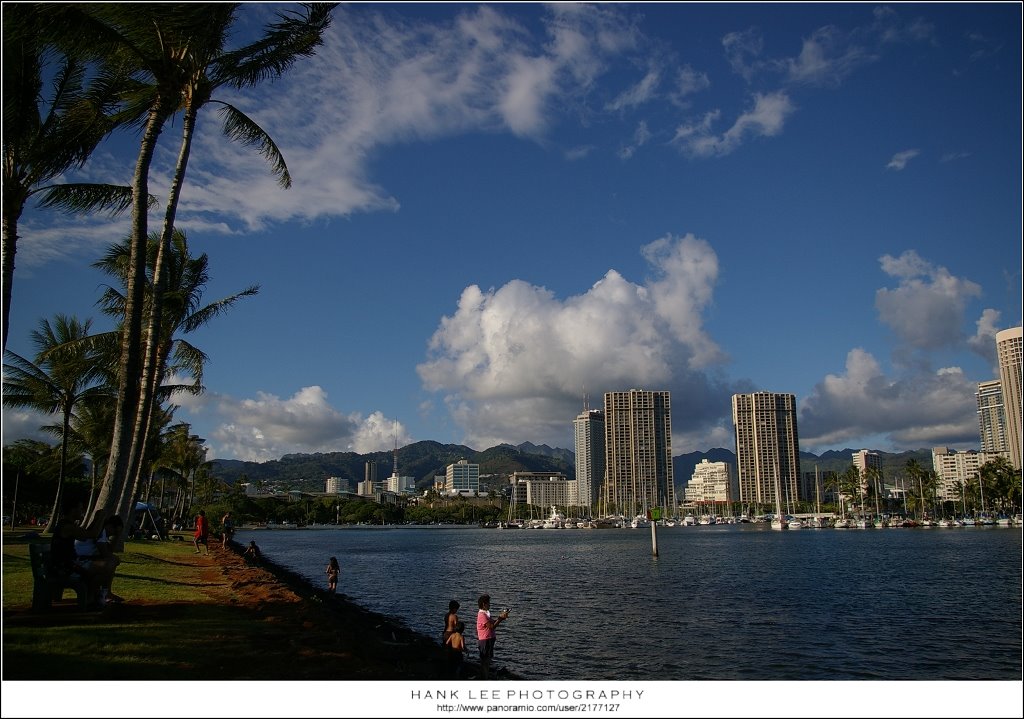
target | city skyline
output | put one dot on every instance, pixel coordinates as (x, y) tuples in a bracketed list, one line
[(497, 210)]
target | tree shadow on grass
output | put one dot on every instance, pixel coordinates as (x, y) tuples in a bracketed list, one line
[(187, 641)]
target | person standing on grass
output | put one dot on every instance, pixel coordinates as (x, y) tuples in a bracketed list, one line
[(202, 534), (485, 626), (227, 529), (333, 570)]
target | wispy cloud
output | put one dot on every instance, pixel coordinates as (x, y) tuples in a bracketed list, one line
[(766, 118), (688, 82), (638, 94), (640, 138), (900, 159), (827, 57), (379, 80), (954, 156), (743, 51)]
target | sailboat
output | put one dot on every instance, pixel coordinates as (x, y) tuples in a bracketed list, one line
[(778, 522), (817, 521)]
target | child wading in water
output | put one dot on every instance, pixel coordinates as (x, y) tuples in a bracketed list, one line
[(333, 570)]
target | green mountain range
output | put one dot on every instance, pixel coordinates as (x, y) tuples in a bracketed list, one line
[(427, 459)]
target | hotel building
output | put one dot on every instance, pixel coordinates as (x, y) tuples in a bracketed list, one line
[(767, 447), (992, 417), (544, 489), (638, 451), (712, 482), (957, 468), (1008, 349), (588, 428)]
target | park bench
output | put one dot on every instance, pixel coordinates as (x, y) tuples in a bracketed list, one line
[(50, 582)]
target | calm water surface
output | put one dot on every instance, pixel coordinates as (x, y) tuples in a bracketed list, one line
[(719, 602)]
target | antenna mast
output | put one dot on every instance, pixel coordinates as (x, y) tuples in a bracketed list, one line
[(394, 469)]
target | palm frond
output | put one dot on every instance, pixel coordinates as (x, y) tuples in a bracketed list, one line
[(291, 37), (88, 197), (240, 127), (202, 316)]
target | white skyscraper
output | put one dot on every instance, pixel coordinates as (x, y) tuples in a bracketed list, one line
[(589, 430), (462, 477), (992, 417), (1008, 347)]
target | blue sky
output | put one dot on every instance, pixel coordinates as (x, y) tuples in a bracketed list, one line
[(497, 209)]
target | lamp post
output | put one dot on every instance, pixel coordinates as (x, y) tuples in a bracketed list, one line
[(337, 513)]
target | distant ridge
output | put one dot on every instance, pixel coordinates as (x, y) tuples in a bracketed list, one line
[(423, 460)]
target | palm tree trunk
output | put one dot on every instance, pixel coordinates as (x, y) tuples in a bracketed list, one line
[(13, 205), (120, 465), (59, 497), (153, 362)]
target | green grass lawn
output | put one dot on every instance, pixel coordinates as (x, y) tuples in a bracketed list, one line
[(190, 617), (173, 630)]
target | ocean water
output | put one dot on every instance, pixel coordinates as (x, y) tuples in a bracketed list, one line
[(720, 602)]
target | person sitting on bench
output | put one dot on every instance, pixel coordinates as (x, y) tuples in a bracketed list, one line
[(96, 559)]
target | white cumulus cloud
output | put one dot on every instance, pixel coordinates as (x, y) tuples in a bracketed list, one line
[(927, 308), (268, 427), (514, 362), (919, 409)]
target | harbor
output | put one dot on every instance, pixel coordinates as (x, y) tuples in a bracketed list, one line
[(719, 602)]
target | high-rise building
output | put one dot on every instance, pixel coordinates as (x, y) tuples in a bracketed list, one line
[(638, 451), (589, 430), (711, 482), (958, 469), (992, 417), (543, 489), (336, 485), (869, 464), (767, 447), (462, 477), (1009, 350)]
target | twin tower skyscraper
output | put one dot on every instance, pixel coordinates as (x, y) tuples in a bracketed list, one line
[(624, 451)]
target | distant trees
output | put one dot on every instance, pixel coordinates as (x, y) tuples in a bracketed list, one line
[(66, 373), (1002, 482)]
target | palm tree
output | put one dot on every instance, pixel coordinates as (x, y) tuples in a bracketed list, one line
[(185, 454), (183, 312), (177, 53), (917, 473), (846, 484), (66, 372), (90, 434), (44, 138), (1002, 481), (875, 478)]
